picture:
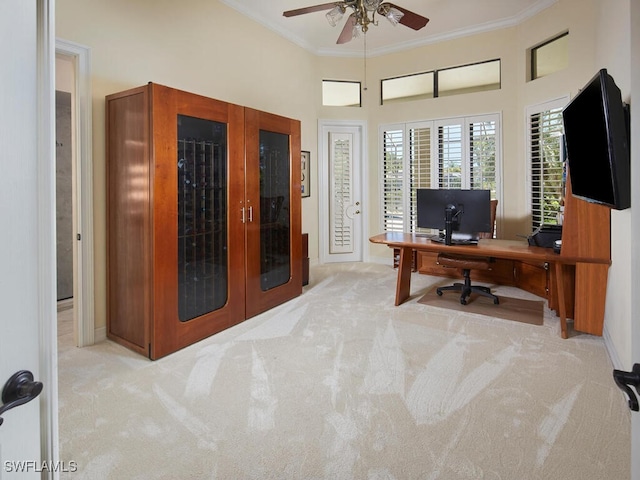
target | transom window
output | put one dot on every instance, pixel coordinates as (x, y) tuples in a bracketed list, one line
[(550, 56), (337, 93), (475, 77)]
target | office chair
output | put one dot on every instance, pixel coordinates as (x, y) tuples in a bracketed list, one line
[(468, 263)]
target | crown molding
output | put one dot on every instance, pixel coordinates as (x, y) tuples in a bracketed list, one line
[(508, 22)]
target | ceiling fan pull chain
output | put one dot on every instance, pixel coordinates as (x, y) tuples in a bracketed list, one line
[(364, 87)]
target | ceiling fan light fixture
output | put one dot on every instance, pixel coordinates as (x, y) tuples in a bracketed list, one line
[(335, 15), (362, 14), (394, 15), (372, 5)]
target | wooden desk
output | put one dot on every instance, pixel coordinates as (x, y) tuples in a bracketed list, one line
[(506, 249)]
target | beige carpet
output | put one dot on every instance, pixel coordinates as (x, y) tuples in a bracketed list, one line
[(340, 384), (509, 308)]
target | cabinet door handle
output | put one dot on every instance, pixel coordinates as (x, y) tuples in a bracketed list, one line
[(251, 213), (243, 218)]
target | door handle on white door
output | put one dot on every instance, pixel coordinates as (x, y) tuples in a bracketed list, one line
[(18, 390), (350, 212), (624, 380)]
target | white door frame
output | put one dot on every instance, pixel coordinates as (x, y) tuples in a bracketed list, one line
[(325, 126), (83, 301), (46, 236)]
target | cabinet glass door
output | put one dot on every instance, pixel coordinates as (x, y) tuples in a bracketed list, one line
[(275, 185), (273, 206), (202, 216)]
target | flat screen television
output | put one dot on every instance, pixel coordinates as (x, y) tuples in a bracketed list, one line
[(462, 214), (596, 133)]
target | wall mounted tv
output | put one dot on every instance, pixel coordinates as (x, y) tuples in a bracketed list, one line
[(596, 130)]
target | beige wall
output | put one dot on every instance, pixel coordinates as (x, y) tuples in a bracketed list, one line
[(516, 94), (199, 46), (613, 43), (217, 52)]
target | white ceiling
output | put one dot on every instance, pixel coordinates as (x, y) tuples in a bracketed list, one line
[(448, 19)]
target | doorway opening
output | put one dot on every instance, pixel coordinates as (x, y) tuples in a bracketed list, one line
[(74, 192)]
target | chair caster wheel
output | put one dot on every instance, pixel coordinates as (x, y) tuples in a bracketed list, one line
[(463, 301), (439, 292), (496, 301)]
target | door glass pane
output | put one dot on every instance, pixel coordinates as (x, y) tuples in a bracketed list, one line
[(202, 216), (275, 261)]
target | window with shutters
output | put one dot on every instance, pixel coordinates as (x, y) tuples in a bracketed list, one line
[(546, 159), (393, 172), (453, 153)]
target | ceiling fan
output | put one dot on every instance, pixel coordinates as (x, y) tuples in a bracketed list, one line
[(359, 19)]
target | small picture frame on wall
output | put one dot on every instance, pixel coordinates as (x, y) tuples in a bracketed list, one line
[(305, 159)]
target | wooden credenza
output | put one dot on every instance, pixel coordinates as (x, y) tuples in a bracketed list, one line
[(203, 216)]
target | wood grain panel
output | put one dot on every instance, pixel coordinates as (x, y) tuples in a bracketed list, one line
[(142, 217), (128, 219), (591, 290), (169, 333), (258, 300)]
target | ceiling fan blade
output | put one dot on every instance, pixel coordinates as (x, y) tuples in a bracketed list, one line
[(314, 8), (347, 32), (409, 19)]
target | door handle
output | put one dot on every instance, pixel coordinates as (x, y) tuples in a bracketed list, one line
[(18, 390), (624, 380)]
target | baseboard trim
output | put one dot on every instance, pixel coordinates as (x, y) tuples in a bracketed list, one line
[(611, 349), (100, 334)]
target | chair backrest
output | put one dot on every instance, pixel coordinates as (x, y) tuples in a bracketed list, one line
[(494, 207)]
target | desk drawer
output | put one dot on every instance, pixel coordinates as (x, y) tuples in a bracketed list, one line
[(532, 277), (501, 272)]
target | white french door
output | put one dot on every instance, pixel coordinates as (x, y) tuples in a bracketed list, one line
[(341, 196)]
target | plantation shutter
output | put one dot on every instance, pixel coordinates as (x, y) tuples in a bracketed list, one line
[(392, 174), (340, 192), (419, 166), (450, 153), (482, 153), (547, 166)]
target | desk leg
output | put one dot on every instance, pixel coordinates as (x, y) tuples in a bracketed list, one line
[(561, 300), (403, 286)]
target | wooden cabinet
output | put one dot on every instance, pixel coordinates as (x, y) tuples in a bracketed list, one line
[(305, 259), (586, 237), (191, 183), (274, 205)]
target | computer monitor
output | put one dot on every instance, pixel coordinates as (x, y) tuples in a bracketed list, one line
[(466, 212)]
